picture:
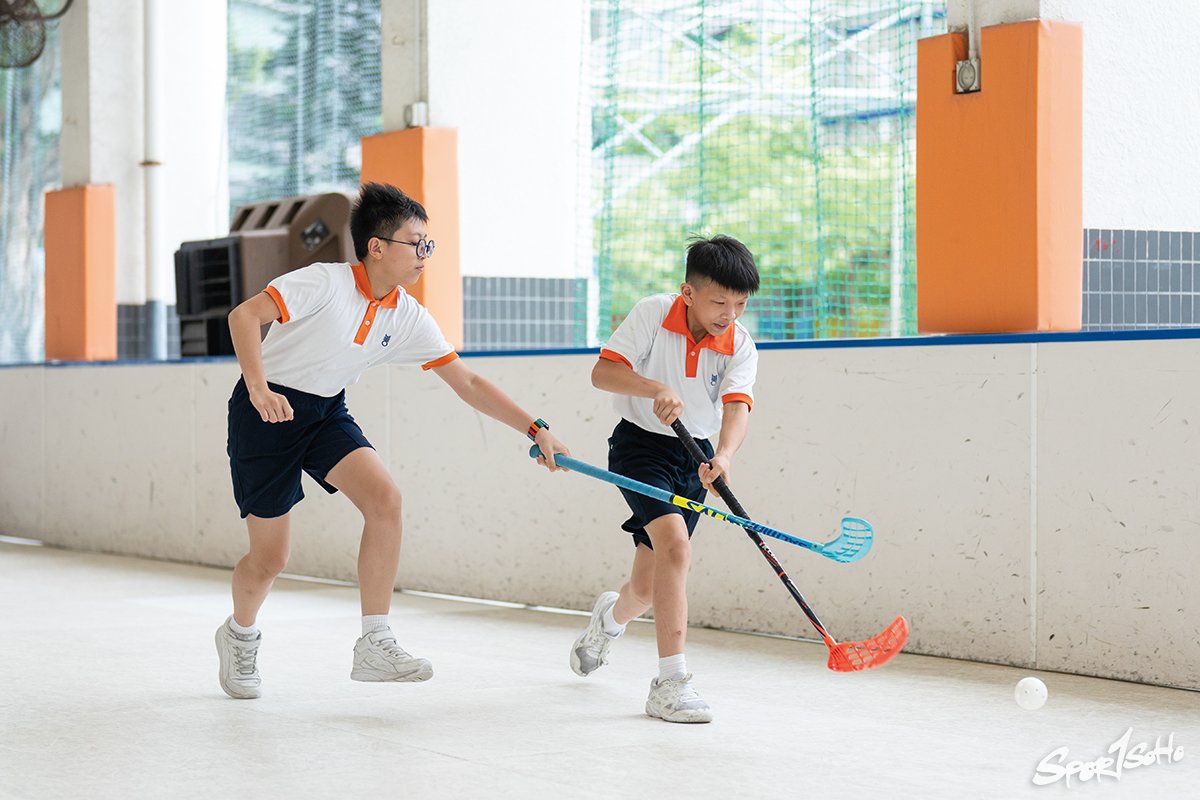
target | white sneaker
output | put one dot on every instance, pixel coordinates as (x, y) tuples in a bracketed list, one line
[(674, 700), (590, 651), (238, 671), (377, 657)]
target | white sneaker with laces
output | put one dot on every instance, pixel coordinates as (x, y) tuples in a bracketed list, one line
[(238, 672), (378, 658), (590, 651), (675, 700)]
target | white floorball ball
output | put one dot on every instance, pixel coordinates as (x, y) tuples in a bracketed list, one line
[(1031, 693)]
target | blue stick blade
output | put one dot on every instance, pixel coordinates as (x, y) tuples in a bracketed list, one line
[(853, 543)]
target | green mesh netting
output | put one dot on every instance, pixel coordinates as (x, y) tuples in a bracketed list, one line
[(787, 124), (304, 88), (31, 115)]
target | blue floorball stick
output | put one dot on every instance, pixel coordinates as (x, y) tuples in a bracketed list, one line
[(852, 544)]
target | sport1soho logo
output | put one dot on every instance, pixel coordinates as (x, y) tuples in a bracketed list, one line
[(1122, 757)]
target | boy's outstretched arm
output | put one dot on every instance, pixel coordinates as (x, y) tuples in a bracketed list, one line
[(735, 418), (245, 329), (483, 395), (619, 378)]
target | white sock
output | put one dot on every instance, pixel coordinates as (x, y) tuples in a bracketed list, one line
[(672, 667), (611, 626), (233, 626), (375, 622)]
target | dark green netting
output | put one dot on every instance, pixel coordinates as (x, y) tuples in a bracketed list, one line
[(789, 125), (304, 88), (31, 120)]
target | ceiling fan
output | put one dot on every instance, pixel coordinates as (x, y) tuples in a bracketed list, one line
[(23, 29)]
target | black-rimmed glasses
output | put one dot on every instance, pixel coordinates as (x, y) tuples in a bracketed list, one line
[(424, 247)]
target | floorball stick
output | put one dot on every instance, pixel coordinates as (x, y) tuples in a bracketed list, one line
[(843, 656)]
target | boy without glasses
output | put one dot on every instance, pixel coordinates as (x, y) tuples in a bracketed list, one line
[(674, 357)]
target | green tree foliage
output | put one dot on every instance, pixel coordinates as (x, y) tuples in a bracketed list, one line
[(734, 128)]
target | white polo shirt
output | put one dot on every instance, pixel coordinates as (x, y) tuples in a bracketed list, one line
[(331, 328), (654, 340)]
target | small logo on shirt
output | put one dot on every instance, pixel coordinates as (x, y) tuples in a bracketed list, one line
[(386, 340), (712, 380)]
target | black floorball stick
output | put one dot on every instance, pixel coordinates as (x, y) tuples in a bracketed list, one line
[(843, 656)]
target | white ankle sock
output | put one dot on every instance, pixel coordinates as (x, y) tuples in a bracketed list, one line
[(375, 622), (672, 667), (233, 626), (611, 626)]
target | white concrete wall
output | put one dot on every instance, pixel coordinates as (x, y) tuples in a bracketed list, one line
[(507, 76), (1029, 508), (1141, 104), (1118, 508)]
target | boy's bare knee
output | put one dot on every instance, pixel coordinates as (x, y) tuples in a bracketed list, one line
[(269, 563), (392, 500), (386, 504), (675, 554)]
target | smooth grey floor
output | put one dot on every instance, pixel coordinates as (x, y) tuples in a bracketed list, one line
[(108, 689)]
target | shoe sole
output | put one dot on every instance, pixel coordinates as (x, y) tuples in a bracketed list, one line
[(368, 675), (576, 664), (695, 720), (235, 693)]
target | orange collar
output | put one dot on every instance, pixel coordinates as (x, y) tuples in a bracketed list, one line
[(676, 322), (364, 288)]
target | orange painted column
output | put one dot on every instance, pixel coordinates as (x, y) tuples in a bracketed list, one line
[(81, 274), (999, 182), (423, 163)]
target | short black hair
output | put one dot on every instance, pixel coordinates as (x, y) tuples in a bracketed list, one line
[(380, 210), (724, 261)]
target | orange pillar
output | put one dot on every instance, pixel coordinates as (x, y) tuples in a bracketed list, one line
[(81, 274), (999, 182), (423, 163)]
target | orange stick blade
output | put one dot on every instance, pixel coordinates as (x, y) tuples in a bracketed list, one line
[(874, 652)]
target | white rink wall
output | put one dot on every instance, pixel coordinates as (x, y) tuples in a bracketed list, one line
[(1035, 502)]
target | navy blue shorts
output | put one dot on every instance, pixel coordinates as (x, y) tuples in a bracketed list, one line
[(661, 461), (266, 458)]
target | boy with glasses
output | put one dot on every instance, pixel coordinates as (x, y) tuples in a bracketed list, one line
[(674, 357), (288, 415)]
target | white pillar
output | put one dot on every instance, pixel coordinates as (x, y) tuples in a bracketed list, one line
[(158, 251), (102, 121), (404, 42), (143, 99), (990, 12)]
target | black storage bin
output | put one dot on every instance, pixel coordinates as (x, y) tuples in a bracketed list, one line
[(207, 276), (205, 335)]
